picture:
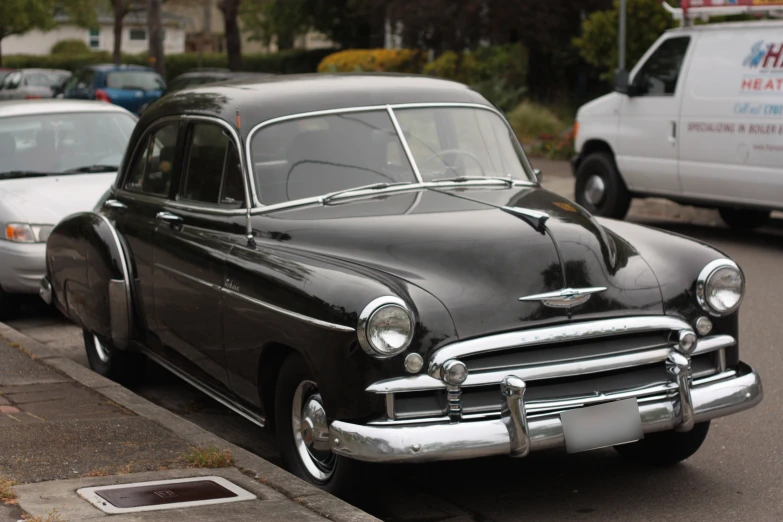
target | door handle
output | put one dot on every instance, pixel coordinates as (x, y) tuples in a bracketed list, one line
[(673, 136), (113, 203), (168, 217)]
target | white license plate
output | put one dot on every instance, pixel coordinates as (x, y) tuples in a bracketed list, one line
[(601, 426)]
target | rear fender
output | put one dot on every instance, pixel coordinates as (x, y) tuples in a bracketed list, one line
[(90, 276)]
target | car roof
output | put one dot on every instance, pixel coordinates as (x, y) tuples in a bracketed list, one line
[(39, 70), (729, 26), (121, 67), (10, 108), (263, 98)]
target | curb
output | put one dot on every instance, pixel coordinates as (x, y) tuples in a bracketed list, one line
[(296, 489)]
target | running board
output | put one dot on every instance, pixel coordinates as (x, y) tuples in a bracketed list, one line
[(206, 389)]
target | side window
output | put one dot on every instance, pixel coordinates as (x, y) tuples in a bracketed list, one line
[(12, 80), (70, 85), (213, 174), (85, 79), (659, 75), (153, 167)]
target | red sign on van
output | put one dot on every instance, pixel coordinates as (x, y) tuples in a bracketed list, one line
[(763, 59)]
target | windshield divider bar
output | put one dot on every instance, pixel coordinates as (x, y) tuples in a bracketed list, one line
[(404, 142)]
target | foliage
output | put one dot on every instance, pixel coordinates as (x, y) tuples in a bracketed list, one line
[(211, 457), (287, 62), (71, 46), (280, 21), (500, 92), (375, 60), (459, 67), (20, 16), (597, 45), (7, 494), (532, 121), (557, 148), (230, 10)]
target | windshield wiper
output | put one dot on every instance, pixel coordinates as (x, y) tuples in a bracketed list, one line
[(374, 186), (464, 179), (22, 174), (88, 169)]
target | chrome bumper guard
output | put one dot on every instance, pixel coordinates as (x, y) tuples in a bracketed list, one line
[(45, 290), (516, 433)]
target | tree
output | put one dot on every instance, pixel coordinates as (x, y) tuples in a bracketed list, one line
[(597, 45), (155, 30), (230, 10), (20, 16), (356, 24), (276, 20), (120, 8)]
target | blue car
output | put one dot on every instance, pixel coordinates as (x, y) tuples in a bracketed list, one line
[(132, 87)]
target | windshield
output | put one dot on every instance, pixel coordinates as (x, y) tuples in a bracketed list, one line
[(135, 80), (314, 156), (58, 143)]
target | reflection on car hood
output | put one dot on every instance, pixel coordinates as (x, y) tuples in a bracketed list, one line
[(48, 199), (477, 259)]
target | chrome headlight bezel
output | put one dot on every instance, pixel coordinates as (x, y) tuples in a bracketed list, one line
[(366, 322), (703, 282)]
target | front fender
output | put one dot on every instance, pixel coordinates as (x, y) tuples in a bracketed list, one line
[(89, 275)]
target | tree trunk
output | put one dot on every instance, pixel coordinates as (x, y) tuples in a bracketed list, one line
[(156, 56), (1, 50), (285, 41), (119, 14), (230, 9)]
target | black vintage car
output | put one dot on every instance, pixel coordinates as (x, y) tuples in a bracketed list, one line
[(369, 265)]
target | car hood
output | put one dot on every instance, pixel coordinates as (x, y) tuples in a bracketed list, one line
[(477, 259), (45, 201)]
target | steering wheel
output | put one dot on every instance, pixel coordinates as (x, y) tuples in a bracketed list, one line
[(460, 152)]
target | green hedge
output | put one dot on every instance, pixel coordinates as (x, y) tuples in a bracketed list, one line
[(286, 62)]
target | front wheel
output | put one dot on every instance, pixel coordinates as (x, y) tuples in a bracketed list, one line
[(666, 447), (744, 218), (303, 431), (599, 187), (123, 367)]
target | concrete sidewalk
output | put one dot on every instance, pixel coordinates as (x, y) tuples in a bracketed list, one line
[(63, 427)]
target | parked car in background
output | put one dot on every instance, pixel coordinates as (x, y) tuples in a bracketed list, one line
[(206, 75), (698, 122), (132, 87), (56, 157), (370, 265), (4, 73), (31, 84)]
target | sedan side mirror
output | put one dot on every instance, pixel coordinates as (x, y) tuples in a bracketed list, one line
[(539, 175)]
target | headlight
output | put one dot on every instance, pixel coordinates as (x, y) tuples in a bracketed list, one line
[(24, 233), (385, 327), (720, 287)]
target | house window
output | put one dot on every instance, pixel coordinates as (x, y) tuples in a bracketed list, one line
[(95, 38), (138, 34)]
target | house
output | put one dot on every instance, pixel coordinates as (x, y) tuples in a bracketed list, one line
[(134, 35)]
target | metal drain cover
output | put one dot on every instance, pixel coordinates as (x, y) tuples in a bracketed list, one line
[(164, 494)]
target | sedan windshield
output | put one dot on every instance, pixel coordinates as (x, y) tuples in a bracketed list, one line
[(88, 142), (315, 156)]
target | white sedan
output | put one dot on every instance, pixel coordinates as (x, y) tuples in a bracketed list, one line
[(57, 157)]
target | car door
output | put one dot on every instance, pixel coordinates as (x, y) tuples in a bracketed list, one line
[(648, 141), (195, 234), (135, 207)]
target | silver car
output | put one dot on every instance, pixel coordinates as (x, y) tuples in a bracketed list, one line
[(57, 157), (32, 84)]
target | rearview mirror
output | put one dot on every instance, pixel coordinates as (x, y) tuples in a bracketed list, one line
[(621, 81)]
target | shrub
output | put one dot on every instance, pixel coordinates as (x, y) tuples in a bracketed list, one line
[(500, 93), (70, 46), (460, 67), (373, 60), (532, 122)]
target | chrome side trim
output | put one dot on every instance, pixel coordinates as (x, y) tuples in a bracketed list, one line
[(188, 276), (45, 290), (125, 276), (713, 343), (119, 314), (567, 298), (528, 373), (404, 141), (553, 334), (304, 318), (219, 397)]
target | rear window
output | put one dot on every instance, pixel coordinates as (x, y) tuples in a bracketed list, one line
[(134, 80)]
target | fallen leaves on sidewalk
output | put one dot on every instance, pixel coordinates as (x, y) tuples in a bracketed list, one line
[(7, 494), (211, 457)]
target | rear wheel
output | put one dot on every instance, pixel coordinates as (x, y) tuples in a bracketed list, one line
[(666, 447), (744, 218), (303, 431), (600, 188), (9, 305), (120, 366)]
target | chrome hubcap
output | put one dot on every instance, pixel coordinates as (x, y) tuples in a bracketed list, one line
[(102, 351), (311, 432), (595, 189)]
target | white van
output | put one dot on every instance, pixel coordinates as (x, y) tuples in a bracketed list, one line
[(700, 122)]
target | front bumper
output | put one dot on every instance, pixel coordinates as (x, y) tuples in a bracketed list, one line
[(515, 434), (22, 265)]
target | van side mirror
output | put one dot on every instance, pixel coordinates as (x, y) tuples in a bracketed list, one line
[(621, 81)]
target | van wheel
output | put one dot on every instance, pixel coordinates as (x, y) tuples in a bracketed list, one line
[(666, 447), (302, 431), (599, 187), (744, 218), (126, 368)]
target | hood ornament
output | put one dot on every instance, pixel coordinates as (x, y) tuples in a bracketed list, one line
[(567, 298)]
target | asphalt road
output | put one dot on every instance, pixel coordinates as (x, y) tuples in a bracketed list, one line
[(736, 476)]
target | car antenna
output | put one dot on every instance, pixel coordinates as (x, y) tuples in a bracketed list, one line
[(251, 239)]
